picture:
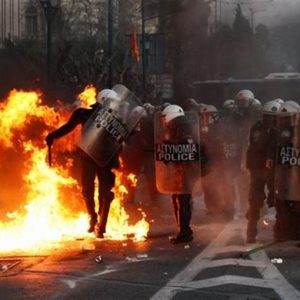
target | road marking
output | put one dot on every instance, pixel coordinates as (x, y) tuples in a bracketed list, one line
[(272, 278), (72, 283)]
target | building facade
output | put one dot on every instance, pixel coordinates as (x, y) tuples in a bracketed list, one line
[(10, 22), (25, 18)]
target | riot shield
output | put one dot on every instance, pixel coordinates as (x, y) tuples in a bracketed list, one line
[(177, 153), (287, 169), (109, 126)]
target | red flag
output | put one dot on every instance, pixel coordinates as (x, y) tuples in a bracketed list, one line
[(134, 46)]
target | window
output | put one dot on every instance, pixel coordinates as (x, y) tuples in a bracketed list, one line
[(31, 21)]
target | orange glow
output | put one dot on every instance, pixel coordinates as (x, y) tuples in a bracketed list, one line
[(88, 96), (50, 210), (16, 110), (266, 222), (133, 180), (120, 217)]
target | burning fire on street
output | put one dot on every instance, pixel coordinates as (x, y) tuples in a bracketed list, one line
[(41, 206)]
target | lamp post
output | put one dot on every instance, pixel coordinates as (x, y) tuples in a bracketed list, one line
[(50, 7), (144, 66)]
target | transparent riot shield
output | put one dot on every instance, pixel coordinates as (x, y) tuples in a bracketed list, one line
[(287, 169), (177, 153), (109, 126)]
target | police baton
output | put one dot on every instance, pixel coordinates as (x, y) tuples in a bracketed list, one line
[(49, 156)]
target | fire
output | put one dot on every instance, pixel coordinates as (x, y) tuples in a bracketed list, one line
[(119, 215), (51, 210), (88, 96), (132, 178), (44, 219), (16, 111)]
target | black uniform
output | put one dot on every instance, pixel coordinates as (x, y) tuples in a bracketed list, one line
[(182, 203), (257, 154), (89, 171), (242, 121), (287, 225)]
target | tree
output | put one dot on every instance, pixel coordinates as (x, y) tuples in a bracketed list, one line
[(241, 26), (242, 47)]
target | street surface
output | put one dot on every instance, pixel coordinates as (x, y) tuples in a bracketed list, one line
[(216, 265)]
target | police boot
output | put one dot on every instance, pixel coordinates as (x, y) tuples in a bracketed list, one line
[(92, 224), (185, 234), (93, 218), (101, 226)]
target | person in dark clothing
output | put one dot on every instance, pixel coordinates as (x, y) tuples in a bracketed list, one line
[(217, 200), (90, 170), (257, 155), (179, 133), (283, 161), (242, 118)]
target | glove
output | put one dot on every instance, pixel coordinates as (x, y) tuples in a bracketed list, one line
[(50, 139)]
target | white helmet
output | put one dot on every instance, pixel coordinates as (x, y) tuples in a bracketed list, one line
[(171, 112), (279, 100), (290, 107), (106, 94), (209, 113), (192, 104), (296, 104), (138, 112), (230, 103), (256, 104), (149, 108), (206, 108), (244, 98), (271, 107)]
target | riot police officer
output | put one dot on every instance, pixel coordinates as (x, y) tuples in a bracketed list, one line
[(90, 169), (242, 121), (173, 115), (284, 158), (213, 181), (261, 135)]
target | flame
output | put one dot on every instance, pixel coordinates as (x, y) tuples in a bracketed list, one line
[(50, 210), (88, 96), (44, 219), (133, 180), (120, 217), (17, 108)]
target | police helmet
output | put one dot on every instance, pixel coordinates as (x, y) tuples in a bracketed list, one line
[(244, 98), (290, 107), (171, 112), (271, 107)]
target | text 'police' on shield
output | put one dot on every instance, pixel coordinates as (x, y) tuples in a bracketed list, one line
[(289, 156), (177, 152), (112, 125)]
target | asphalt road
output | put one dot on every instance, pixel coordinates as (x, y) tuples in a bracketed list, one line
[(216, 265)]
